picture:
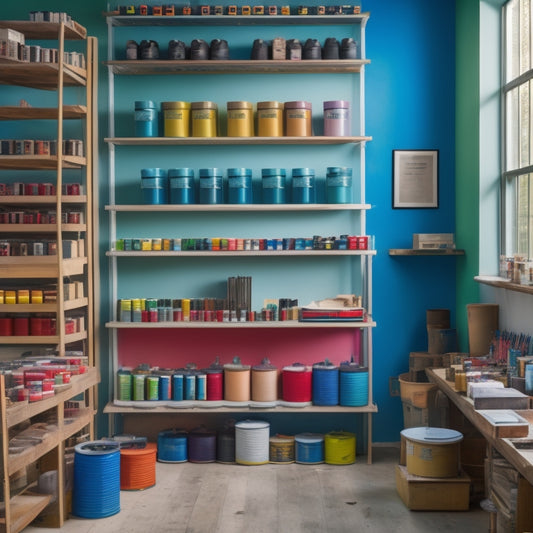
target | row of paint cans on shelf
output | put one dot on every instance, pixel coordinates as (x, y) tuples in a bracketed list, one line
[(249, 443)]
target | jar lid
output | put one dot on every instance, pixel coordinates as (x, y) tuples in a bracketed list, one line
[(303, 172), (296, 367), (204, 105), (325, 365), (266, 172), (270, 105), (215, 367), (298, 104), (210, 172), (309, 438), (339, 171), (236, 172), (265, 365), (241, 104), (336, 104), (347, 366), (175, 105), (429, 435), (144, 104), (236, 365), (153, 173), (252, 424), (180, 172)]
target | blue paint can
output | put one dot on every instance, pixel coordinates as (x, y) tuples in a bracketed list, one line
[(339, 185), (353, 385), (211, 186), (201, 386), (303, 186), (172, 446), (240, 186), (190, 387), (154, 186), (325, 383), (309, 448), (177, 387), (273, 183), (181, 185), (146, 122), (164, 387)]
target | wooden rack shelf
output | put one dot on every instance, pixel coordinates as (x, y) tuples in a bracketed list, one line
[(39, 228), (41, 113), (78, 303), (39, 162), (411, 252), (41, 200), (45, 30), (41, 75), (39, 266)]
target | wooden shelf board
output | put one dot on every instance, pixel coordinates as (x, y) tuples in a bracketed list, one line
[(39, 162), (237, 207), (411, 252), (45, 266), (236, 20), (28, 308), (40, 228), (244, 253), (41, 199), (42, 339), (237, 141), (503, 283), (240, 325), (41, 113), (40, 75), (24, 410), (24, 508), (78, 303), (112, 408), (236, 66), (45, 30)]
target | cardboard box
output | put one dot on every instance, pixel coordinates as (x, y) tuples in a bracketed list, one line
[(433, 494)]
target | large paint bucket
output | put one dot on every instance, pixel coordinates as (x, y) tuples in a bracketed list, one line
[(432, 452)]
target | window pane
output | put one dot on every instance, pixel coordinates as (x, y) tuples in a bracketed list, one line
[(511, 130), (512, 17), (525, 36), (522, 237), (524, 121)]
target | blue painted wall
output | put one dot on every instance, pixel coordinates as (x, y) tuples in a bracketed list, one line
[(409, 105)]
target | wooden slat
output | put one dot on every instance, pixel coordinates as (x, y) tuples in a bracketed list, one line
[(39, 266), (39, 75), (25, 508), (38, 162), (409, 251), (41, 199), (40, 228), (45, 30), (41, 113)]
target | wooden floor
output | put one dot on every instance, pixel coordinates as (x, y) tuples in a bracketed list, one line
[(218, 498)]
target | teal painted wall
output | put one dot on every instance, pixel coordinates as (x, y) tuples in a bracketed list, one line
[(410, 104)]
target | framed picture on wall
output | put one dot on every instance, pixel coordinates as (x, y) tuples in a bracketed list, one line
[(415, 179)]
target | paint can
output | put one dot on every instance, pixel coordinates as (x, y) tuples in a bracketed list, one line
[(252, 442), (337, 118), (339, 185), (211, 186), (215, 381), (176, 118), (240, 119), (177, 387), (202, 445), (236, 381), (204, 118), (303, 186), (154, 186), (273, 184), (432, 452), (353, 385), (264, 382), (226, 444), (189, 385), (124, 384), (172, 446), (298, 119), (325, 383), (281, 450), (137, 467), (309, 448), (240, 186), (269, 119), (339, 448), (181, 186), (296, 383), (146, 123)]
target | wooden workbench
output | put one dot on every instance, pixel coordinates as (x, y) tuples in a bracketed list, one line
[(520, 458)]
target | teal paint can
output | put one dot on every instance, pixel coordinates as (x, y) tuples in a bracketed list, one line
[(240, 186), (211, 186), (303, 186), (146, 120), (273, 185), (154, 186), (339, 185), (181, 186)]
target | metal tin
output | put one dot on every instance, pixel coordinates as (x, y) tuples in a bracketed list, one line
[(152, 388), (337, 118), (154, 186), (273, 183), (164, 387), (240, 117), (204, 118), (303, 186), (190, 387), (124, 381), (240, 186), (145, 119), (176, 119), (201, 386), (181, 185), (298, 119), (177, 387), (270, 119), (138, 386), (211, 186), (339, 185)]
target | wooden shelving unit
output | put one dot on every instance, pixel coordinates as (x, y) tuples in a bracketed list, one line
[(412, 252), (25, 270)]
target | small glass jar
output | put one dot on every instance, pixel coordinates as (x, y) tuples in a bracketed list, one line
[(303, 186), (273, 183), (181, 185), (176, 119), (269, 119), (204, 117), (337, 118), (240, 186), (298, 119), (211, 186), (146, 123), (240, 119)]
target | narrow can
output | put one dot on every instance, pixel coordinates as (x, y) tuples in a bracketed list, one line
[(270, 119), (240, 186), (240, 117), (146, 123), (181, 185), (204, 118), (298, 119), (337, 118), (176, 119)]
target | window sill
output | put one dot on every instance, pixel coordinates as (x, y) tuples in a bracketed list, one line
[(503, 283)]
